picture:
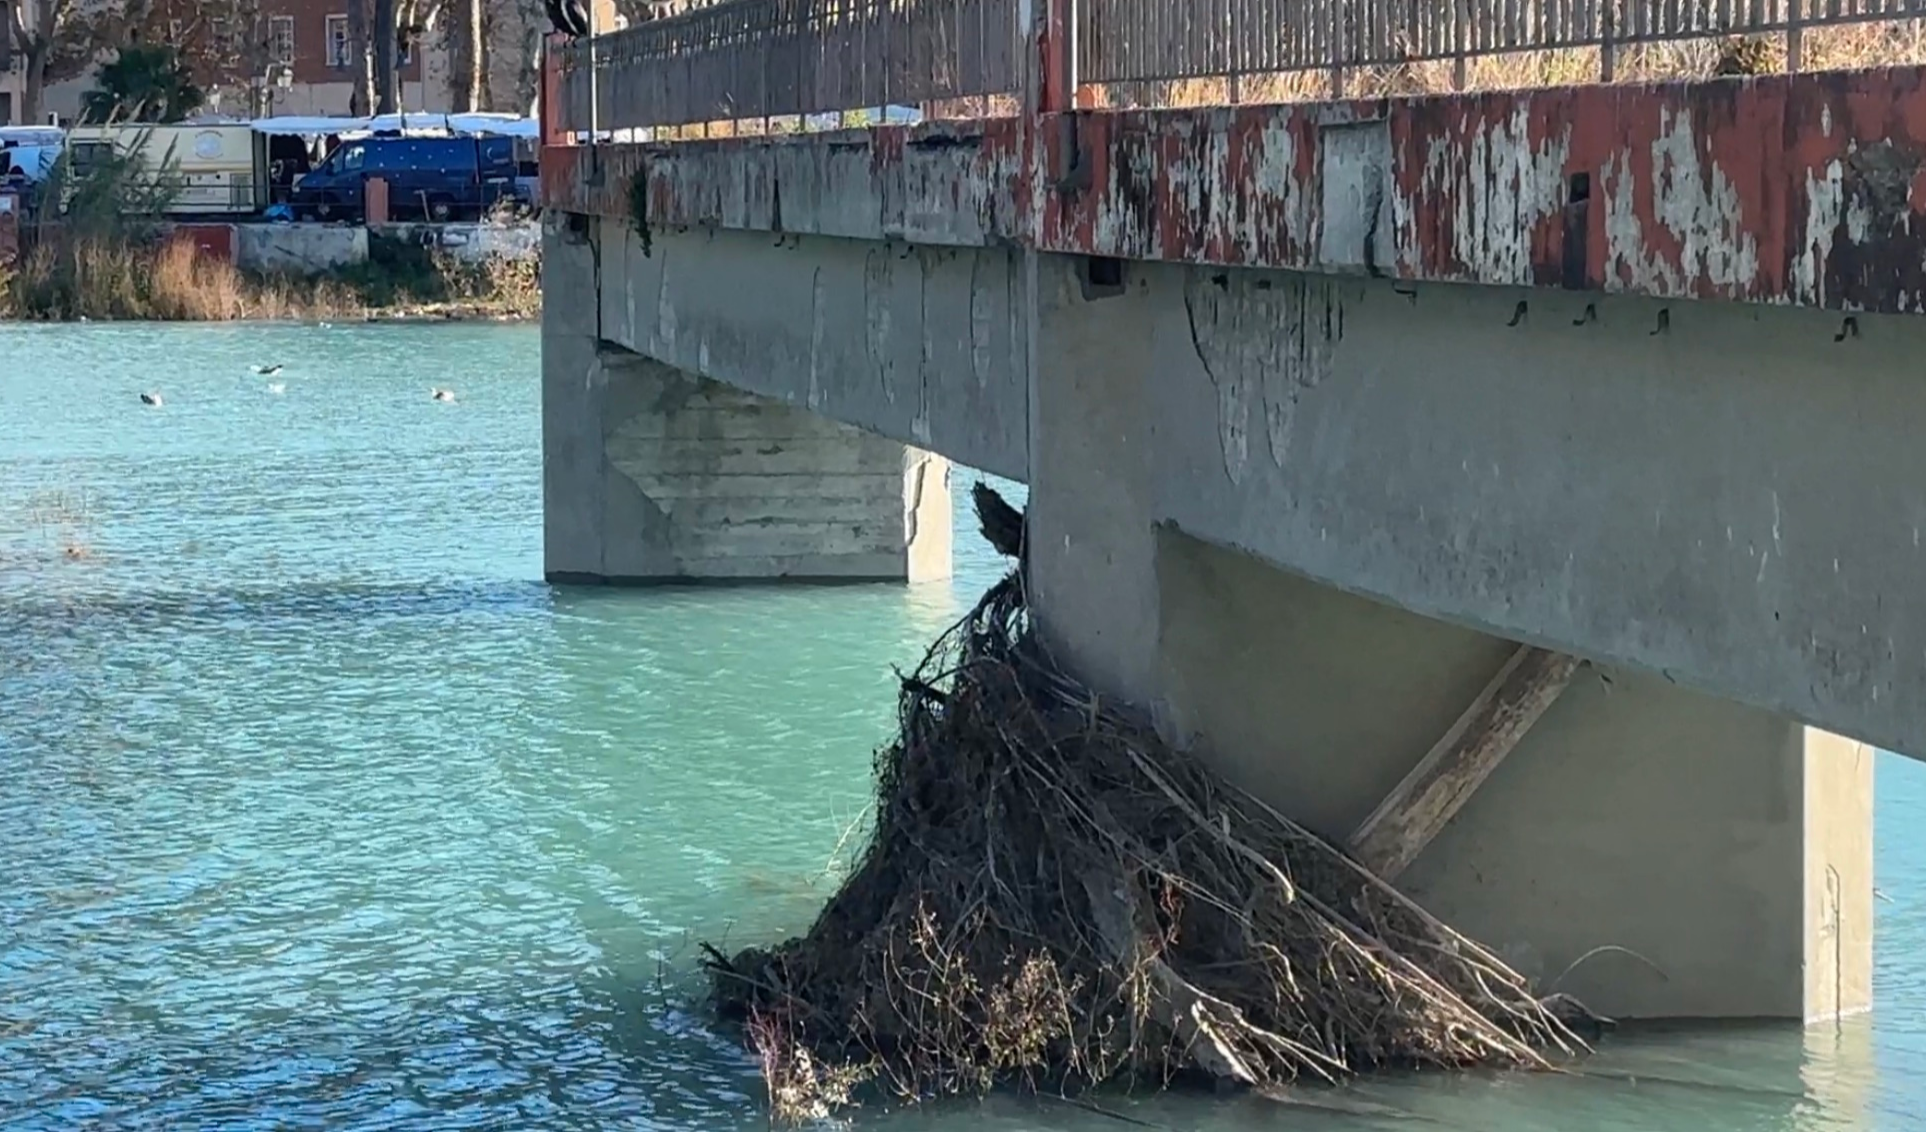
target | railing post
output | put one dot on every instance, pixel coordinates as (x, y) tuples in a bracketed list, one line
[(1795, 36), (1460, 44), (1607, 49), (1059, 56)]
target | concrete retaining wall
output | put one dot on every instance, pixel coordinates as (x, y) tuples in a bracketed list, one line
[(299, 249), (473, 243)]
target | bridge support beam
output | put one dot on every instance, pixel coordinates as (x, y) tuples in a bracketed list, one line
[(1655, 851), (654, 475)]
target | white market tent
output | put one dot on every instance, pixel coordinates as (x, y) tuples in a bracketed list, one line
[(509, 125)]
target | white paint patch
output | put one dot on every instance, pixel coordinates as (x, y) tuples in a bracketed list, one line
[(1698, 207), (1276, 176), (1499, 189), (1825, 206)]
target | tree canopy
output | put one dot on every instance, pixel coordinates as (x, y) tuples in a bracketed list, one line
[(143, 83)]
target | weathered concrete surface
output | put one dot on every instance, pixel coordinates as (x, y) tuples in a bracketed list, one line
[(923, 345), (725, 485), (1685, 826), (1710, 838), (651, 474), (472, 242), (299, 249), (1717, 494), (1803, 189), (941, 183)]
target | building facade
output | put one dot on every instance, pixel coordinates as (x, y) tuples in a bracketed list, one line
[(309, 38)]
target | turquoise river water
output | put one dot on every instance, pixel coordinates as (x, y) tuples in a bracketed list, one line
[(318, 808)]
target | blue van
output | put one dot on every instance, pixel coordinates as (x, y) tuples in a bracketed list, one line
[(429, 178)]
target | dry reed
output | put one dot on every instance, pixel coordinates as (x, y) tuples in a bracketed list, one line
[(101, 277)]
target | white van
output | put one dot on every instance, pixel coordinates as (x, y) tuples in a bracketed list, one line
[(221, 167)]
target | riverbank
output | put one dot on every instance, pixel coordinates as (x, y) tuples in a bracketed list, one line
[(101, 277)]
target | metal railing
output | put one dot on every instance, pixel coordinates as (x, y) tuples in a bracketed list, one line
[(1129, 41), (767, 59), (744, 59)]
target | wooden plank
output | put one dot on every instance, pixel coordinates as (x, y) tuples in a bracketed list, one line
[(1445, 779)]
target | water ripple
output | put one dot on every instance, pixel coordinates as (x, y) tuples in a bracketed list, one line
[(318, 809)]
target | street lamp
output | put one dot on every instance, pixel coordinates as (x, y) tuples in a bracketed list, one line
[(277, 77)]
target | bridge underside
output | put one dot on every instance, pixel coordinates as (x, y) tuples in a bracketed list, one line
[(1323, 415)]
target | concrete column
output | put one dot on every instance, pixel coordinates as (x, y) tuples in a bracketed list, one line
[(699, 481), (1657, 852)]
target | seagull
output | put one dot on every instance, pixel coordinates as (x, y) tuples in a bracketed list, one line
[(277, 387), (150, 399), (268, 371), (442, 394), (570, 17)]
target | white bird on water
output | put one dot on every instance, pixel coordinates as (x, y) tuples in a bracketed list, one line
[(441, 394), (268, 371), (150, 399)]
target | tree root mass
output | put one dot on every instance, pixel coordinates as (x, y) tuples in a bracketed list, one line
[(1053, 897)]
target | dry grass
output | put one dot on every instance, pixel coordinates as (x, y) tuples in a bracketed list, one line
[(68, 277), (1890, 44), (1847, 47)]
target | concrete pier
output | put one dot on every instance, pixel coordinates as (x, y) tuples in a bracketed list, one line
[(655, 475), (1691, 855)]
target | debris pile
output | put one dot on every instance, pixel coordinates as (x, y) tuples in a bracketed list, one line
[(1053, 897)]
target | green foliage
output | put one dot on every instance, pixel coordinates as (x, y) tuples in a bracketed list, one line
[(108, 190), (144, 83)]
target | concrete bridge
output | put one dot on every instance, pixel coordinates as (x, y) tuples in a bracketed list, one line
[(1345, 422)]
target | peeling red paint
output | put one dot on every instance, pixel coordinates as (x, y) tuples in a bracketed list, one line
[(1795, 189)]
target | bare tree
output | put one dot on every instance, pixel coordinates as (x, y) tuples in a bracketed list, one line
[(226, 43), (61, 39), (360, 58), (387, 94), (466, 40), (531, 21)]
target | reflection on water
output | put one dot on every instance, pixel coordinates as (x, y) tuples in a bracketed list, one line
[(318, 808)]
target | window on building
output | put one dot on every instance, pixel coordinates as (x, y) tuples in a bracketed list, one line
[(338, 41), (281, 38)]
